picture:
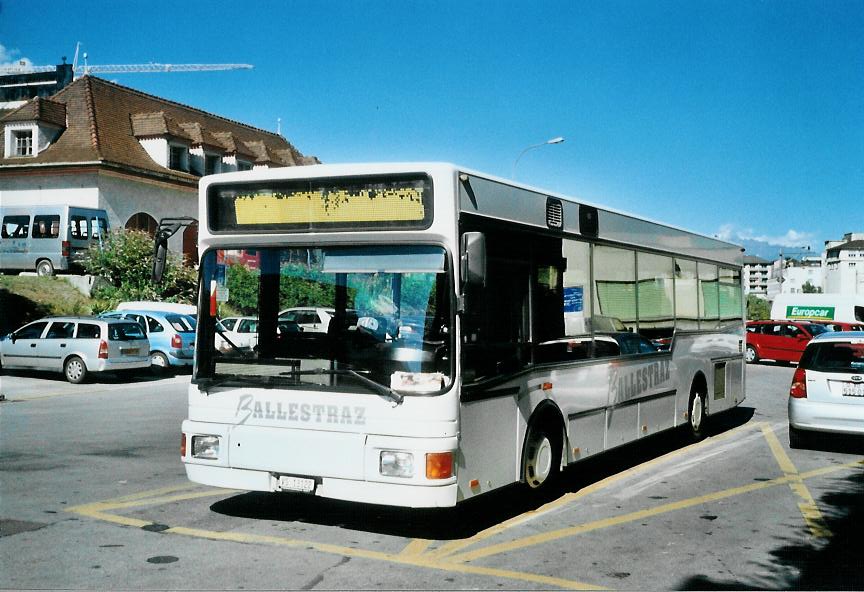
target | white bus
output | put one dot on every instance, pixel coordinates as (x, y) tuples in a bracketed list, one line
[(483, 333)]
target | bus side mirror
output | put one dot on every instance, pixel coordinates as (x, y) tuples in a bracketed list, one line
[(160, 255), (473, 258)]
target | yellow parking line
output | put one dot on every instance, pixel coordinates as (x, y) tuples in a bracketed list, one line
[(415, 547), (639, 515), (456, 546), (807, 506)]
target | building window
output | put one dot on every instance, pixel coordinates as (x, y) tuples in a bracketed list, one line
[(852, 264), (177, 158), (211, 164), (23, 142), (243, 166)]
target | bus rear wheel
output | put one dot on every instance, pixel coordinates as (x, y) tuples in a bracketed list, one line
[(45, 268), (696, 414), (542, 457)]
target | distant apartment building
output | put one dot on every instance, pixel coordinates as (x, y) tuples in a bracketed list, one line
[(789, 276), (756, 274), (843, 262), (97, 144)]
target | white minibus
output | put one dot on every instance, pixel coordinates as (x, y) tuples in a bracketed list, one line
[(48, 238)]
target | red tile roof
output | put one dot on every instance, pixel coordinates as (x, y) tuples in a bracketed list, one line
[(106, 121)]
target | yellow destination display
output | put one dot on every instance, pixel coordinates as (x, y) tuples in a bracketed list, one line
[(329, 206)]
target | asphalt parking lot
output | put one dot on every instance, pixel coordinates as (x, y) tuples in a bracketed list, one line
[(94, 494)]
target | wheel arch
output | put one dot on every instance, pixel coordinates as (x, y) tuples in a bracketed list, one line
[(546, 413), (699, 384)]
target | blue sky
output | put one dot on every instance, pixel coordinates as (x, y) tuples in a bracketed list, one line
[(738, 119)]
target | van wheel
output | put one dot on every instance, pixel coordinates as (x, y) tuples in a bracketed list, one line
[(750, 355), (45, 268), (542, 457), (75, 370)]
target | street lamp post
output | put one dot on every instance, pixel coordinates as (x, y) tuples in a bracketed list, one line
[(556, 140)]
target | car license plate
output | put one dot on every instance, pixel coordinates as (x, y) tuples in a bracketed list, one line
[(853, 389), (132, 351), (301, 484)]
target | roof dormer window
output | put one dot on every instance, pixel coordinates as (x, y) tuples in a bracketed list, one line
[(23, 142), (178, 158)]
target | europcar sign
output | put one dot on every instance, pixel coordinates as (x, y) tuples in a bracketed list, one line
[(810, 313)]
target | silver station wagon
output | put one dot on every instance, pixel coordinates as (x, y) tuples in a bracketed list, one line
[(76, 346)]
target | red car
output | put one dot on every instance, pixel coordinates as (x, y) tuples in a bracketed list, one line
[(841, 326), (782, 341)]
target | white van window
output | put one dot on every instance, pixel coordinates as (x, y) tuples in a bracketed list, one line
[(78, 227), (15, 227), (46, 226), (98, 228)]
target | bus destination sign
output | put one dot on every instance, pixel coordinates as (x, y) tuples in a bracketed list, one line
[(326, 204)]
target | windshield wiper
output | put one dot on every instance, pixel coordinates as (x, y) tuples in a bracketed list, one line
[(255, 379), (376, 386)]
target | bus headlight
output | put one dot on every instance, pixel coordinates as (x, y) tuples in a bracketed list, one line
[(396, 464), (206, 447)]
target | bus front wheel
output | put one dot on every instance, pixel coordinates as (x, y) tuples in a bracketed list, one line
[(542, 457)]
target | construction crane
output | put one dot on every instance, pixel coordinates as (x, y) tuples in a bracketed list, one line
[(78, 71)]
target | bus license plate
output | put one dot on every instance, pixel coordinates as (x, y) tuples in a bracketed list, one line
[(852, 389), (301, 484)]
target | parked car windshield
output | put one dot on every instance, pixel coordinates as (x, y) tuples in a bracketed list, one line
[(181, 323), (818, 329), (834, 357)]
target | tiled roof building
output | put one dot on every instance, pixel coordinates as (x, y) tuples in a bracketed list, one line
[(98, 144)]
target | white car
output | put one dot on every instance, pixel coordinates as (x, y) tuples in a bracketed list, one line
[(241, 331), (827, 392), (310, 319), (76, 346)]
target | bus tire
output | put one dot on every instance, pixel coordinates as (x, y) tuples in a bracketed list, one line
[(542, 464), (696, 416), (44, 268), (750, 355), (75, 370)]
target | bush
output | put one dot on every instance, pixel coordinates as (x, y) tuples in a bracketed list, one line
[(125, 262)]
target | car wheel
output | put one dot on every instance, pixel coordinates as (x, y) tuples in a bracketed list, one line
[(45, 268), (75, 370), (159, 363), (542, 457), (696, 414), (750, 355)]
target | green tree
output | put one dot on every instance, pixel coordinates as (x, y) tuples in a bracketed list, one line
[(809, 288), (757, 308), (124, 263)]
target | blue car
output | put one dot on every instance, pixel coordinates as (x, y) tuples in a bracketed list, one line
[(171, 336)]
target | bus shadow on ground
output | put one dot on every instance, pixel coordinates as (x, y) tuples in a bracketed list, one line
[(471, 516), (804, 563)]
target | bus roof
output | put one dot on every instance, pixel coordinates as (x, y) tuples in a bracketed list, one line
[(613, 225)]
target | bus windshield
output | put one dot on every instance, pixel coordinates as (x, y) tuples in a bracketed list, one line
[(347, 319)]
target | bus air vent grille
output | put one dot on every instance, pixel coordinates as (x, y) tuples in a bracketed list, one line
[(554, 213)]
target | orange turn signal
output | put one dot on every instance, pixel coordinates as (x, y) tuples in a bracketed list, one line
[(182, 445), (439, 465)]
